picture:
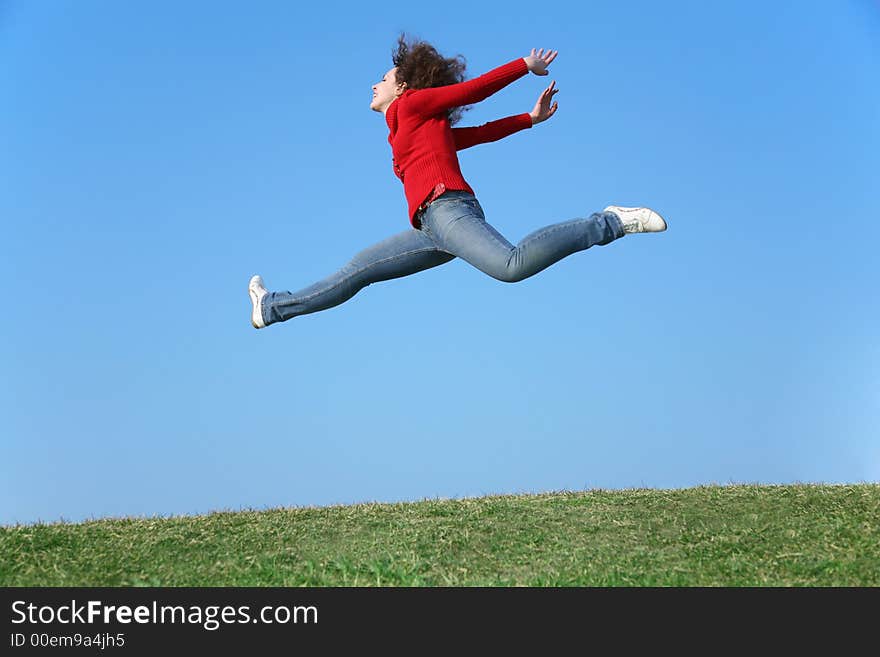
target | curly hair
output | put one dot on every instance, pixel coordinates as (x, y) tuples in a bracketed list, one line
[(420, 66)]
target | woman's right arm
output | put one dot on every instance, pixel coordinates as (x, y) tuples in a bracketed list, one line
[(435, 100)]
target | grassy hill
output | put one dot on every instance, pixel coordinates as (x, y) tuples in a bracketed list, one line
[(803, 535)]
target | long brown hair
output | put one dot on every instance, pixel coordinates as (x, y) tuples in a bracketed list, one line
[(420, 66)]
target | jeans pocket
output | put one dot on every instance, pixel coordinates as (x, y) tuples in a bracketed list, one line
[(443, 213)]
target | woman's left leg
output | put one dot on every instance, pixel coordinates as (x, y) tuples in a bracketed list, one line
[(403, 254)]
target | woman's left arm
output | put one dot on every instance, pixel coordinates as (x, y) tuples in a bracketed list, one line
[(495, 130), (492, 131)]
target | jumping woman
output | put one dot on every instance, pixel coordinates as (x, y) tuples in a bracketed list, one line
[(421, 98)]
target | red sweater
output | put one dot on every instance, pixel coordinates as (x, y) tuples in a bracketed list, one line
[(423, 144)]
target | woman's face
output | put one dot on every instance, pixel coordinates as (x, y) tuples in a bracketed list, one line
[(386, 91)]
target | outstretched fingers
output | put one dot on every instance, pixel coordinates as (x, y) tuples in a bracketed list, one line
[(540, 59), (545, 107), (549, 92)]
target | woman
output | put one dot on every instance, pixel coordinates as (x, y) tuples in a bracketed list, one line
[(421, 97)]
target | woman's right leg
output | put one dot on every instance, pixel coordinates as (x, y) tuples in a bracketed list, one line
[(400, 255), (456, 223)]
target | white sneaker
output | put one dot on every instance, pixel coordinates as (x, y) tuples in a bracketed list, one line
[(638, 220), (257, 291)]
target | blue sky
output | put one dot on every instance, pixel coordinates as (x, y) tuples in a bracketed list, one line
[(154, 155)]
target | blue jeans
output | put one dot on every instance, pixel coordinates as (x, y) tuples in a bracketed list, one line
[(453, 226)]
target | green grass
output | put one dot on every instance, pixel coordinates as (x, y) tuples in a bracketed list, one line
[(803, 535)]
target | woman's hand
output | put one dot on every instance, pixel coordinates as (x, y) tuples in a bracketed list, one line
[(539, 61), (543, 109)]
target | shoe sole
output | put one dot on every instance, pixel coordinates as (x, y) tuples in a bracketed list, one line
[(255, 301)]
